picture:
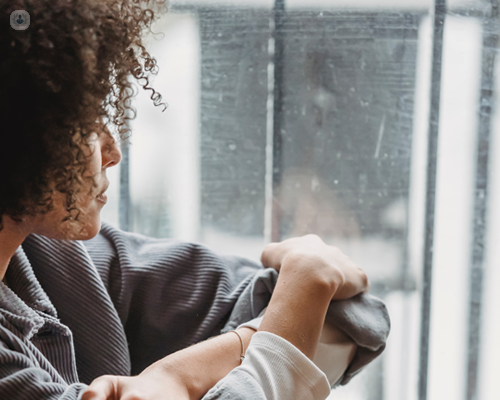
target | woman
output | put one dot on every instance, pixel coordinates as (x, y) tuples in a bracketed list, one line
[(74, 313)]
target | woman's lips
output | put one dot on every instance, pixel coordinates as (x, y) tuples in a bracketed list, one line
[(102, 198)]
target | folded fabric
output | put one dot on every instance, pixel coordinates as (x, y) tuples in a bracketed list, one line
[(364, 319)]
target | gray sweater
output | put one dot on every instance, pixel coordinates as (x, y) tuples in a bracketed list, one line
[(114, 305)]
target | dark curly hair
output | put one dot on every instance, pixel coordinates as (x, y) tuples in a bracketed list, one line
[(63, 78)]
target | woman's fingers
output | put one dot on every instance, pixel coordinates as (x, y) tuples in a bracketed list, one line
[(274, 253), (156, 384), (353, 279), (102, 388), (270, 257)]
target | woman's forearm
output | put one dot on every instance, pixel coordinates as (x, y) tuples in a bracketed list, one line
[(298, 307), (201, 366)]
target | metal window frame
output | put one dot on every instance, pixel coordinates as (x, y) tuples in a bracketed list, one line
[(491, 28), (430, 201), (277, 133)]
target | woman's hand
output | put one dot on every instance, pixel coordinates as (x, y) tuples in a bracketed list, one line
[(152, 385), (312, 274), (309, 258)]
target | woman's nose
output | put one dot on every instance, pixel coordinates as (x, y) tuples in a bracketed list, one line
[(111, 154)]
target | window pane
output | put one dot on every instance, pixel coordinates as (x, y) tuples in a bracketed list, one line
[(355, 79)]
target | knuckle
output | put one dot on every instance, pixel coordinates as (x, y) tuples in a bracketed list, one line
[(270, 247), (94, 382), (298, 254), (292, 257), (313, 237), (133, 396), (89, 394), (363, 277), (268, 252), (306, 260), (337, 253)]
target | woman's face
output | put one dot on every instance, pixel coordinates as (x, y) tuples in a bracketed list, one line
[(102, 153)]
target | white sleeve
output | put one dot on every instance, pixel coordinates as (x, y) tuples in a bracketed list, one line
[(332, 357), (283, 371)]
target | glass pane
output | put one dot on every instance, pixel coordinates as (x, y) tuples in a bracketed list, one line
[(348, 120), (234, 64)]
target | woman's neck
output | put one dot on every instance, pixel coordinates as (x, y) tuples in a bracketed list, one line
[(11, 237)]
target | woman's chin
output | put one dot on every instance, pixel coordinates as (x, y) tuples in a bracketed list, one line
[(89, 232), (86, 231), (84, 228)]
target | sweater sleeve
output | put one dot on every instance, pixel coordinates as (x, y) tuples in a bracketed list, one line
[(168, 294), (21, 378)]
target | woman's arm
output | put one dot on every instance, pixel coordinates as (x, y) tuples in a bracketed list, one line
[(311, 275)]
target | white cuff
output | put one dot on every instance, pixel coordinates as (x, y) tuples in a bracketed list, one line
[(282, 370), (332, 358)]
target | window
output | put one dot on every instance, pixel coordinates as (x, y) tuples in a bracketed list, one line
[(316, 116)]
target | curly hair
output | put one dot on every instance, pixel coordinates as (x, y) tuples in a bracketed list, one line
[(62, 79)]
